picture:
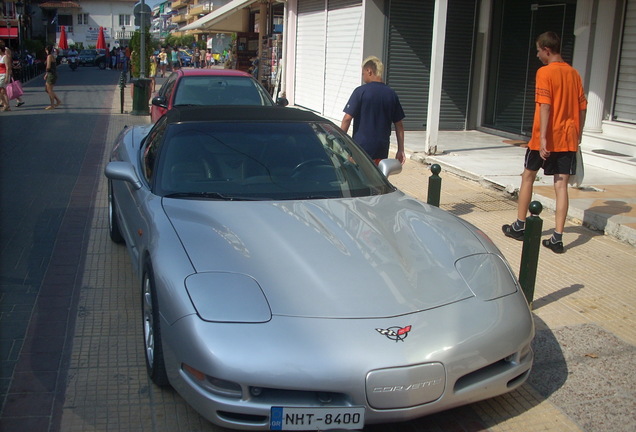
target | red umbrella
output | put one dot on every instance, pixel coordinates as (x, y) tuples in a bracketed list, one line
[(62, 43), (101, 40)]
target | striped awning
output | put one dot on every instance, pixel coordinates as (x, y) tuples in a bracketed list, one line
[(8, 33)]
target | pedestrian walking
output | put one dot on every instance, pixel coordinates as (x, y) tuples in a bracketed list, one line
[(163, 61), (208, 58), (560, 109), (373, 107), (196, 58), (50, 78), (202, 57), (6, 73), (153, 71), (174, 58)]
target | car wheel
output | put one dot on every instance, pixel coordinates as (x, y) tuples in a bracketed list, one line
[(113, 221), (152, 330), (101, 65)]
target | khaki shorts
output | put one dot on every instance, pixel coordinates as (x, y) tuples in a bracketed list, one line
[(51, 78)]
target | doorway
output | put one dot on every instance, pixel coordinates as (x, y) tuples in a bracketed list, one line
[(513, 63)]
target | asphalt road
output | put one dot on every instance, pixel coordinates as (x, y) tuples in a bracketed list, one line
[(48, 178)]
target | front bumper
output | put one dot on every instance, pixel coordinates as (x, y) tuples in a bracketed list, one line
[(452, 356)]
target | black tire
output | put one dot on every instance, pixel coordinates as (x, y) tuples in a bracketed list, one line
[(113, 221), (101, 65), (153, 348)]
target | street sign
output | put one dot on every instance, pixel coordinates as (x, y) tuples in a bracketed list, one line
[(137, 10)]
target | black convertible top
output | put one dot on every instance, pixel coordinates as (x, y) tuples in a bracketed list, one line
[(240, 113)]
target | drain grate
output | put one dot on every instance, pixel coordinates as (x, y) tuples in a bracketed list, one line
[(496, 205), (608, 153)]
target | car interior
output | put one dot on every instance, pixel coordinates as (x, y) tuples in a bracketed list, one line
[(248, 164)]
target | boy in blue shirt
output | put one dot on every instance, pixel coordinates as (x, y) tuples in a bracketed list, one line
[(373, 107)]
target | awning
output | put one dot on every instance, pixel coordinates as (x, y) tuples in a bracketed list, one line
[(60, 5), (229, 18), (8, 33)]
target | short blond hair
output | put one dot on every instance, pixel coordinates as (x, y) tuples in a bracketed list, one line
[(375, 64)]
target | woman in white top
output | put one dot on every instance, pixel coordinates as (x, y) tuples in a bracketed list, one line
[(5, 76)]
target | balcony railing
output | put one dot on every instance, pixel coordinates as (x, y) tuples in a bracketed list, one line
[(179, 18), (200, 9), (179, 4)]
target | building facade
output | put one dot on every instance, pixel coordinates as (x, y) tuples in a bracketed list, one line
[(82, 20), (468, 64)]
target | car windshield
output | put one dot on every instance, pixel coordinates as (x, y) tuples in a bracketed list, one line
[(220, 90), (264, 161)]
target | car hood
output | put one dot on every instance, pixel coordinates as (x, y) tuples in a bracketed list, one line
[(378, 256)]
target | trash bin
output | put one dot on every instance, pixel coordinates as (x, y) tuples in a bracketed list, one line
[(141, 96)]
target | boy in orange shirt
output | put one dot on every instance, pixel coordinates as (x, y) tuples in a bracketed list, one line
[(556, 134)]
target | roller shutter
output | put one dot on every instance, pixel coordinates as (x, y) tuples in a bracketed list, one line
[(344, 54), (409, 57), (310, 54), (625, 105)]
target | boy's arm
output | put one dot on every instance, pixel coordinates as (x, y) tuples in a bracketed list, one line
[(544, 113)]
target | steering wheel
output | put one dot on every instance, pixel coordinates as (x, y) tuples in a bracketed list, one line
[(307, 164)]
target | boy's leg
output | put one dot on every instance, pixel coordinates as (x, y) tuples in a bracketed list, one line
[(562, 201), (525, 193), (516, 229)]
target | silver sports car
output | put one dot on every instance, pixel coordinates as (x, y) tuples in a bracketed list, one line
[(287, 285)]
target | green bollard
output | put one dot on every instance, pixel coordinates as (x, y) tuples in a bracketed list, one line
[(141, 95), (530, 251), (434, 186), (122, 86)]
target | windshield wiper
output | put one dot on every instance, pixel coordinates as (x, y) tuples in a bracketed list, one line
[(212, 195)]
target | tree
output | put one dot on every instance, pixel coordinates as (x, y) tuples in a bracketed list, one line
[(135, 58)]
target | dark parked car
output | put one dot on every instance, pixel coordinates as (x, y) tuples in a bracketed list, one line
[(92, 57), (185, 58)]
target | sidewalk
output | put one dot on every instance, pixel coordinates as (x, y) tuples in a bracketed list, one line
[(583, 378), (606, 202)]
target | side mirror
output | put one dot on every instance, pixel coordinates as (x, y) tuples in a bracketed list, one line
[(282, 102), (390, 167), (122, 171), (160, 101)]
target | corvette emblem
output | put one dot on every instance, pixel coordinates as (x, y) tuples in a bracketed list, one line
[(395, 333)]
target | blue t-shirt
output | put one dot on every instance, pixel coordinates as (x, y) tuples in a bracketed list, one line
[(374, 107)]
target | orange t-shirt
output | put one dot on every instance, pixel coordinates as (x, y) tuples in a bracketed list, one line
[(559, 85)]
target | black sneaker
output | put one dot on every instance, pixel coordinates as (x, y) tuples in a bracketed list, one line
[(554, 247), (510, 232), (19, 104)]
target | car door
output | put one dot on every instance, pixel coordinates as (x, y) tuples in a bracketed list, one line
[(135, 201), (166, 91)]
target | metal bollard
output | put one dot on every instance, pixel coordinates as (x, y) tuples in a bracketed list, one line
[(122, 86), (530, 251), (434, 186)]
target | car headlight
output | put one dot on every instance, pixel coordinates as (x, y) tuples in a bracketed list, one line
[(487, 275), (228, 297)]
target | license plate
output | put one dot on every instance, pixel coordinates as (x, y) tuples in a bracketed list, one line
[(316, 418)]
